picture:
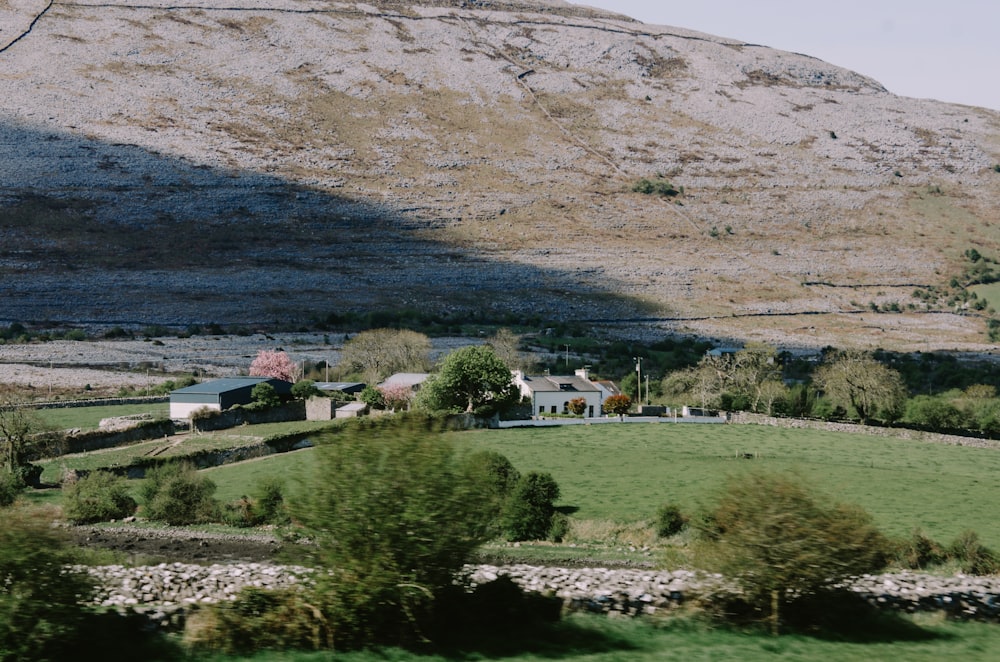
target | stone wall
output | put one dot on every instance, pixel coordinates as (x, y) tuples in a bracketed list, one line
[(898, 433), (90, 440), (290, 411), (165, 591)]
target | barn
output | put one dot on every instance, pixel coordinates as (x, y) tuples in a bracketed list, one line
[(220, 394)]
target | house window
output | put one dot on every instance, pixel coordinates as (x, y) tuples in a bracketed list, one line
[(541, 409), (590, 411), (565, 408), (553, 409)]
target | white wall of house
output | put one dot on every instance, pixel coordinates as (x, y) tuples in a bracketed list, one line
[(185, 409)]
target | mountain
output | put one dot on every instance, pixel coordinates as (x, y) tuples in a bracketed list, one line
[(257, 161)]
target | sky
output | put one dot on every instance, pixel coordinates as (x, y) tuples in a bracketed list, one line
[(949, 51)]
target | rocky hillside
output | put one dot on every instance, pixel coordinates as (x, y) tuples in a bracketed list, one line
[(264, 160)]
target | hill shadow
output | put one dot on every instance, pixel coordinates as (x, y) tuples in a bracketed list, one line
[(101, 232)]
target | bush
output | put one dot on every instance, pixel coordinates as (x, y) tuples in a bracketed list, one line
[(40, 616), (920, 552), (258, 620), (394, 516), (177, 494), (494, 474), (98, 497), (266, 507), (304, 389), (669, 521), (974, 557), (265, 394), (10, 488), (529, 509), (781, 544)]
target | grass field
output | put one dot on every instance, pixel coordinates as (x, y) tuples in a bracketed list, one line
[(624, 473), (88, 418)]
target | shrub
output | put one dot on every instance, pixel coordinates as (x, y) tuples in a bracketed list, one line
[(97, 497), (781, 544), (657, 186), (394, 516), (669, 521), (494, 474), (39, 596), (265, 394), (529, 509), (920, 551), (10, 488), (559, 528), (304, 389), (974, 557), (177, 494), (372, 397), (266, 507), (577, 406), (258, 620)]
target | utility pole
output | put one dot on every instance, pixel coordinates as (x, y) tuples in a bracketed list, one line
[(567, 356), (638, 380)]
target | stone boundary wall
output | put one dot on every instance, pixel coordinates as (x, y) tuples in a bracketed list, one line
[(746, 418), (91, 440), (290, 411), (166, 592), (98, 402)]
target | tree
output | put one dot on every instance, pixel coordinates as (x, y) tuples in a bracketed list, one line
[(577, 406), (396, 396), (528, 512), (275, 364), (471, 379), (507, 346), (618, 405), (782, 544), (23, 438), (304, 389), (855, 379), (378, 353), (372, 397), (393, 516), (265, 394)]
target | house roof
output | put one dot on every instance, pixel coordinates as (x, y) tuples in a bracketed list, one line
[(406, 379), (556, 383), (217, 386), (339, 386)]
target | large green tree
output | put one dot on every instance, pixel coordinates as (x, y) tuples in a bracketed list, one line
[(854, 379), (471, 379)]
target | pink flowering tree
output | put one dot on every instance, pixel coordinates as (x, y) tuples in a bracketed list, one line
[(396, 396), (274, 363)]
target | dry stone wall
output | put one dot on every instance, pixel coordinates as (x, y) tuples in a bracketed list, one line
[(165, 592)]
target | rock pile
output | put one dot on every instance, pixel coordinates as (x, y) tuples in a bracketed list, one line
[(165, 591)]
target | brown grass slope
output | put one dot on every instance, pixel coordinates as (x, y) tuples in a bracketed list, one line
[(253, 160)]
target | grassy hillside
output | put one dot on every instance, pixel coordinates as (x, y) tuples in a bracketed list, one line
[(270, 166)]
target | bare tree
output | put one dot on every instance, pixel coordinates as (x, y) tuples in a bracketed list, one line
[(507, 346), (23, 436), (378, 353)]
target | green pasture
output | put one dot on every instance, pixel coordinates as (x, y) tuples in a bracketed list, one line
[(88, 418), (624, 472), (174, 447)]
